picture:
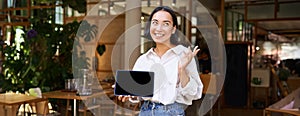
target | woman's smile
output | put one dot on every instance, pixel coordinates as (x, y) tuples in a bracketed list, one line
[(159, 34)]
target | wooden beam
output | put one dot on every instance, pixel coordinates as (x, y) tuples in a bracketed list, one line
[(238, 3), (276, 8), (273, 19), (222, 18)]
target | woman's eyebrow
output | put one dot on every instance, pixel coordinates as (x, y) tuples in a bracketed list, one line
[(163, 20), (167, 21), (154, 20)]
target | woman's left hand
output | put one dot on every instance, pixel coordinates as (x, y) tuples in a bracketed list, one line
[(184, 61), (187, 57)]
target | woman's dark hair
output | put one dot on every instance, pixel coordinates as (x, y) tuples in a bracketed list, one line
[(174, 37)]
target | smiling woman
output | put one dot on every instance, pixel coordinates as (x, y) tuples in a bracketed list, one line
[(176, 80)]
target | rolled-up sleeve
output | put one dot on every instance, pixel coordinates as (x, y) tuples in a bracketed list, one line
[(193, 89)]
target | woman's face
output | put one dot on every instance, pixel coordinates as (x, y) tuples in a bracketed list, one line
[(161, 27)]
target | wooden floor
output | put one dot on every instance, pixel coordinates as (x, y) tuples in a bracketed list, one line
[(223, 112), (194, 110), (238, 112), (230, 112)]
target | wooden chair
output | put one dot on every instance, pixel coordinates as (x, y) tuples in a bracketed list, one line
[(283, 89), (8, 110), (210, 87), (288, 105), (268, 112), (42, 107)]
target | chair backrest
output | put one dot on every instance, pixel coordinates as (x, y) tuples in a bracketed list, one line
[(209, 82), (291, 101)]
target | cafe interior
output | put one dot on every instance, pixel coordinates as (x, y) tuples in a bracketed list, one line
[(60, 57)]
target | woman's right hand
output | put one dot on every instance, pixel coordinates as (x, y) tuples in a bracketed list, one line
[(132, 99), (123, 98)]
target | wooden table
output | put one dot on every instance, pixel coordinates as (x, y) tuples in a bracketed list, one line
[(14, 99), (60, 94)]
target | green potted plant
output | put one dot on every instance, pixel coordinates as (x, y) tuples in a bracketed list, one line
[(45, 57)]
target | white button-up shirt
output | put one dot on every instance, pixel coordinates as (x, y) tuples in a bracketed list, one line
[(165, 70)]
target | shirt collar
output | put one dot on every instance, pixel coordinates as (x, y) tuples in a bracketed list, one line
[(177, 50), (151, 51)]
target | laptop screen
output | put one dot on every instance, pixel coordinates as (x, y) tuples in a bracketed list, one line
[(134, 83)]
